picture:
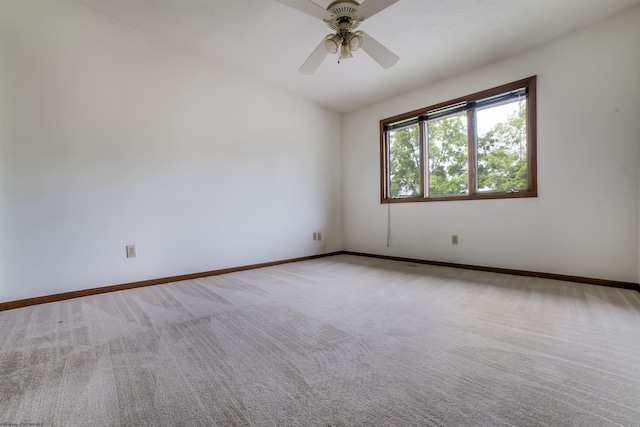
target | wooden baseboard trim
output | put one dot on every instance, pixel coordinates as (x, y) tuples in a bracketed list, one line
[(104, 289), (567, 278), (113, 288)]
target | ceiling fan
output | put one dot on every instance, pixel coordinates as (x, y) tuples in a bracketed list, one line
[(343, 17)]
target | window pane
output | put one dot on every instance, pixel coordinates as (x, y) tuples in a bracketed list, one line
[(404, 162), (502, 147), (448, 156)]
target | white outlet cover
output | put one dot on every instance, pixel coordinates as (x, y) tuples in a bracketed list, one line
[(131, 251)]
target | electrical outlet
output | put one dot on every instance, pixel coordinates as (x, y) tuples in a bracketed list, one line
[(315, 236), (454, 239), (131, 251), (319, 235)]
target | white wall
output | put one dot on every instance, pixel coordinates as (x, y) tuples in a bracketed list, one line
[(109, 138), (585, 220)]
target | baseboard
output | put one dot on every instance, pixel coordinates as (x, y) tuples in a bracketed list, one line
[(95, 291), (567, 278), (104, 289)]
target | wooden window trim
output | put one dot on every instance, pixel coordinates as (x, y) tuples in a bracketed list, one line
[(424, 167), (529, 82)]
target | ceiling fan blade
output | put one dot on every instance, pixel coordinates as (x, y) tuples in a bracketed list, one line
[(314, 60), (370, 7), (308, 7), (379, 53)]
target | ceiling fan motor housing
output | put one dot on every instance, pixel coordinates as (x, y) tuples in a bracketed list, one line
[(343, 11)]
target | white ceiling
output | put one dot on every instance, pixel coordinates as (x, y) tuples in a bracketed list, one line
[(434, 39)]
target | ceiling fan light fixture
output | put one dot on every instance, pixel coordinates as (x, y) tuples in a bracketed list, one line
[(345, 52), (332, 43), (354, 40)]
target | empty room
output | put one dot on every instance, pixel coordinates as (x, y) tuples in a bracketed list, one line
[(317, 213)]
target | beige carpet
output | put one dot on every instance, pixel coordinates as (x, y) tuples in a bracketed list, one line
[(339, 341)]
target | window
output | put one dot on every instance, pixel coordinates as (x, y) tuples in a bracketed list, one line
[(482, 146)]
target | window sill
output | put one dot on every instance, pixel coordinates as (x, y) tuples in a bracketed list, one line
[(477, 196)]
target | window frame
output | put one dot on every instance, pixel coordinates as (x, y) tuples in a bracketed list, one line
[(528, 83)]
